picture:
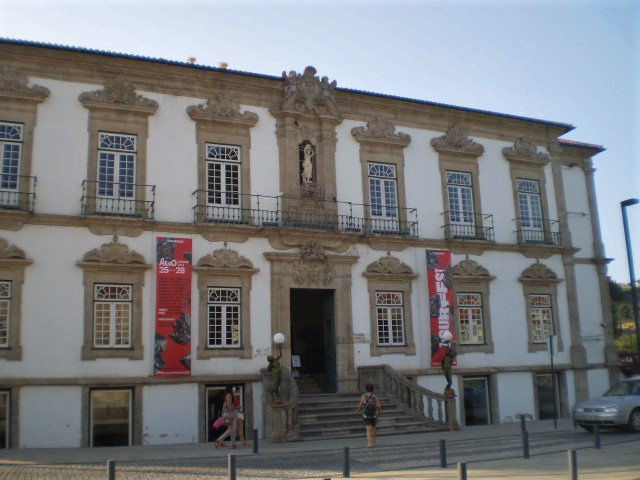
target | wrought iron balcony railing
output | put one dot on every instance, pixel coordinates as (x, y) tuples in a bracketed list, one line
[(267, 211), (17, 192), (118, 199), (540, 231), (468, 226)]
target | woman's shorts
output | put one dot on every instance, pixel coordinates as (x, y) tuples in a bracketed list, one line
[(370, 421)]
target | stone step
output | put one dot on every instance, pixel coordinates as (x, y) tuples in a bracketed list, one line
[(351, 418), (346, 431)]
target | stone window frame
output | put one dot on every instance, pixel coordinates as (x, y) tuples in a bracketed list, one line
[(526, 163), (225, 268), (457, 152), (563, 400), (13, 262), (13, 423), (390, 274), (219, 121), (494, 399), (540, 279), (113, 263), (470, 277), (19, 104), (118, 109), (380, 144)]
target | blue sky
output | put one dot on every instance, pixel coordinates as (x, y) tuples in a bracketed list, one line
[(573, 61)]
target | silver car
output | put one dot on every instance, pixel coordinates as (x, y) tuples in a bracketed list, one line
[(620, 405)]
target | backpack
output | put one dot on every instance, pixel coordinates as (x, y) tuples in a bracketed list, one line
[(370, 406)]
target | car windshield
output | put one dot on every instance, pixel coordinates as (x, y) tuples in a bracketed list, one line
[(618, 390)]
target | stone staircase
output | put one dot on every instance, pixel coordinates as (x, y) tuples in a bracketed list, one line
[(331, 415)]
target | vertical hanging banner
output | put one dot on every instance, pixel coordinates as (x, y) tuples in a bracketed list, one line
[(172, 350), (440, 286)]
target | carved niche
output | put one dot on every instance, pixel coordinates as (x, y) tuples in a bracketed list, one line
[(313, 267), (456, 139), (524, 150), (222, 107), (539, 272), (114, 253), (118, 92), (13, 84), (305, 92), (380, 130)]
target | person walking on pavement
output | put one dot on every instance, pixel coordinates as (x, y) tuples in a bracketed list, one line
[(229, 418), (370, 407)]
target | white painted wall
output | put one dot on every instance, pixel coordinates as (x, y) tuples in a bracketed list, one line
[(578, 213), (50, 417), (598, 382), (590, 311), (170, 414), (516, 394)]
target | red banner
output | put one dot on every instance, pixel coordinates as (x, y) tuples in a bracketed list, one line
[(440, 286), (172, 352)]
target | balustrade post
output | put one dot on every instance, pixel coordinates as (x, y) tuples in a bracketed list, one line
[(451, 413)]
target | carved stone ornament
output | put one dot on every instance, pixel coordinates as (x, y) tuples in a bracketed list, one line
[(470, 268), (222, 107), (380, 129), (119, 91), (13, 83), (306, 92), (539, 271), (389, 266), (313, 268), (456, 139), (114, 253), (223, 258), (525, 149), (10, 252)]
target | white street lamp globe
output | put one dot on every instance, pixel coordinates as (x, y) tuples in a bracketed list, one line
[(446, 336), (278, 338)]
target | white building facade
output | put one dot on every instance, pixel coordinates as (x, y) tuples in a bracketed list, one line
[(310, 209)]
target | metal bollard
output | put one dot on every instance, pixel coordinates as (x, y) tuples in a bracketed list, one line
[(232, 467), (255, 441), (525, 444), (345, 465), (443, 454), (523, 423), (573, 465), (111, 470), (596, 434), (462, 471)]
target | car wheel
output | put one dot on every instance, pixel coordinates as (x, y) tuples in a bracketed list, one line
[(634, 420), (588, 428)]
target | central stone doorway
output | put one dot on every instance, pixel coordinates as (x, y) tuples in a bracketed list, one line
[(313, 335)]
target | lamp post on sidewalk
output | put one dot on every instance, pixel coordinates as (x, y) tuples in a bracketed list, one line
[(632, 278)]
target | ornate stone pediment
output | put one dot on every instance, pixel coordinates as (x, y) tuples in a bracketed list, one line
[(389, 266), (118, 92), (10, 252), (525, 150), (471, 268), (305, 92), (539, 272), (380, 130), (456, 139), (222, 107), (13, 83), (313, 267), (114, 253), (223, 258)]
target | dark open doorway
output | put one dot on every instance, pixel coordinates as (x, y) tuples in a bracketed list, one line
[(313, 336)]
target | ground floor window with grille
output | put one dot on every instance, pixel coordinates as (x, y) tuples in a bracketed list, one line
[(112, 315), (470, 317), (390, 318), (4, 419), (223, 323), (541, 317), (5, 311), (111, 418)]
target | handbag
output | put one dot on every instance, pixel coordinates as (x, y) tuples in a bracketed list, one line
[(218, 423)]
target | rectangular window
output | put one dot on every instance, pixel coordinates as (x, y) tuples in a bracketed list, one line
[(383, 196), (116, 173), (111, 418), (223, 324), (546, 385), (5, 312), (541, 317), (460, 192), (11, 138), (476, 401), (470, 318), (4, 419), (112, 315), (223, 177), (530, 204), (390, 318)]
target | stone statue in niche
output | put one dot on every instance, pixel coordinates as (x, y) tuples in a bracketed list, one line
[(307, 164)]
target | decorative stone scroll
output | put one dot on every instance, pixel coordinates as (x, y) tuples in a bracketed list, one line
[(539, 272), (524, 150), (114, 253), (389, 266), (118, 92), (471, 269), (10, 252), (225, 259), (380, 130), (222, 107), (313, 268), (13, 83), (306, 92), (456, 139)]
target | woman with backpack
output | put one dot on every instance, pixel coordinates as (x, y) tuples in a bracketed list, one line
[(370, 407)]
